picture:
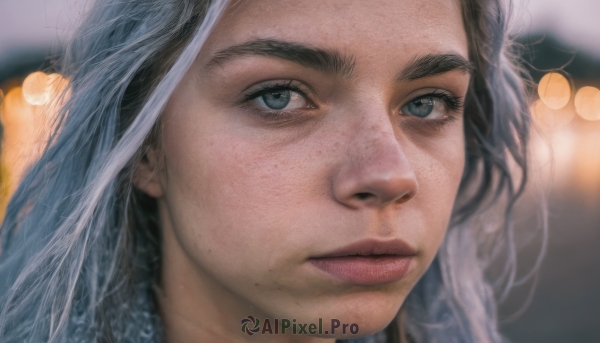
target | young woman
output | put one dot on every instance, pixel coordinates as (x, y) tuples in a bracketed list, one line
[(315, 164)]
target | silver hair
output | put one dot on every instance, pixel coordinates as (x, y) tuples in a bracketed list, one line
[(81, 246)]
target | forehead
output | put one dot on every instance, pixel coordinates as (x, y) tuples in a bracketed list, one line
[(399, 29)]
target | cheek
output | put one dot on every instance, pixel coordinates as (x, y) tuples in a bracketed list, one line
[(231, 200), (439, 168)]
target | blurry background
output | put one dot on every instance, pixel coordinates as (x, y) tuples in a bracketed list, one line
[(561, 41)]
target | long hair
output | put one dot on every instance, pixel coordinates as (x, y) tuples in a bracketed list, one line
[(456, 301), (81, 246)]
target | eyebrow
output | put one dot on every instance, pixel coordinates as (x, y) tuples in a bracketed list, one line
[(434, 64), (327, 61), (334, 62)]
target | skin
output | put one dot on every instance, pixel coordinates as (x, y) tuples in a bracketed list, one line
[(245, 201)]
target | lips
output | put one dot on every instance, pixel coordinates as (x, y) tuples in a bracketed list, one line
[(368, 262)]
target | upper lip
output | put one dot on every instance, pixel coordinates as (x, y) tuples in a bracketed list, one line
[(370, 247)]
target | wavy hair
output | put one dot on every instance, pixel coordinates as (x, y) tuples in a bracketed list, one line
[(81, 246)]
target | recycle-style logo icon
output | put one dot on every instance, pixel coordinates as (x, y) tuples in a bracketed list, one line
[(246, 327)]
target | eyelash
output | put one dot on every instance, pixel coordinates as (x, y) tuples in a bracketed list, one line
[(454, 104), (274, 87), (424, 125)]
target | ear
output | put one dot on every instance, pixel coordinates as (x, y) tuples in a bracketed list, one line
[(147, 175)]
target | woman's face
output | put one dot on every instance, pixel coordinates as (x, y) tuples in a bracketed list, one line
[(312, 156)]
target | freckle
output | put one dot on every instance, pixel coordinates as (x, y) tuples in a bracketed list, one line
[(255, 284), (209, 250), (279, 288), (269, 269)]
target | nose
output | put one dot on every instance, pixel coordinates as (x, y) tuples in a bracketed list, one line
[(376, 172)]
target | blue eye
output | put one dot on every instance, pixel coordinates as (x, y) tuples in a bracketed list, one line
[(281, 99), (276, 100), (426, 107)]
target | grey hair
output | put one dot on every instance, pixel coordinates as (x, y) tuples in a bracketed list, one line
[(71, 270), (81, 246), (455, 301)]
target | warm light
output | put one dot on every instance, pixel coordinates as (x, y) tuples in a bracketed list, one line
[(551, 119), (36, 89), (19, 133), (587, 103), (56, 83), (28, 115), (554, 90), (1, 101)]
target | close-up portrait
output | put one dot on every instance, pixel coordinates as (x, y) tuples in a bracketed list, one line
[(306, 171)]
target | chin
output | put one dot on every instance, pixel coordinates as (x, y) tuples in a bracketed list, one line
[(349, 316)]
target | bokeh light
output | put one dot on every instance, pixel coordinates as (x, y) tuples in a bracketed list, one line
[(56, 83), (19, 134), (1, 102), (587, 103), (28, 115), (550, 119), (35, 89), (39, 89), (554, 91)]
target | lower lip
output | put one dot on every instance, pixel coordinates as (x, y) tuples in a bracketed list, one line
[(365, 270)]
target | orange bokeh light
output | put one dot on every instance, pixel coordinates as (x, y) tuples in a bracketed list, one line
[(554, 91), (27, 115), (587, 103), (35, 89), (551, 119)]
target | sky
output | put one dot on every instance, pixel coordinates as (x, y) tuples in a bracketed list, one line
[(30, 23)]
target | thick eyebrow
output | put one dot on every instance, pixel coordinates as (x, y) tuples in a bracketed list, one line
[(434, 64), (326, 61)]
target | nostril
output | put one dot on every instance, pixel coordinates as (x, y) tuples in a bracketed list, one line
[(405, 197), (363, 196)]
